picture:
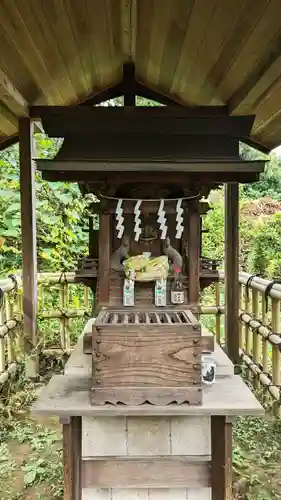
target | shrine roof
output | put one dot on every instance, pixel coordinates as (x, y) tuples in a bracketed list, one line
[(191, 52)]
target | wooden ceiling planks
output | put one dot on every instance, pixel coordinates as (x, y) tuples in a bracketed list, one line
[(145, 16), (19, 34), (216, 36), (200, 17), (178, 26), (44, 36), (247, 17), (109, 58), (198, 52), (262, 27), (157, 40)]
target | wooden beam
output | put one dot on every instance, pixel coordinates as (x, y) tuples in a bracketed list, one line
[(129, 84), (259, 72), (221, 465), (146, 472), (96, 177), (104, 95), (29, 255), (11, 97), (193, 253), (181, 166), (153, 95), (7, 142), (232, 271)]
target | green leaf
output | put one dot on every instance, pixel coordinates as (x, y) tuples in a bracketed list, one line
[(30, 477), (11, 232), (13, 208)]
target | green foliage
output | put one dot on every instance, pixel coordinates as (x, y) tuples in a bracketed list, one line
[(60, 214), (270, 180), (213, 241), (265, 252)]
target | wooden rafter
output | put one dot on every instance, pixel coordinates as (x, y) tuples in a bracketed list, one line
[(257, 76), (11, 97)]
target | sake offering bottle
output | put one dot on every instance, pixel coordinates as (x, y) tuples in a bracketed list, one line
[(129, 292), (160, 293), (177, 289)]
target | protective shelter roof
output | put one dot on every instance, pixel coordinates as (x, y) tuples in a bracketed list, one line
[(195, 52)]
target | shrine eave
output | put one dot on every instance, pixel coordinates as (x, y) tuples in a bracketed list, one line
[(155, 166), (98, 172)]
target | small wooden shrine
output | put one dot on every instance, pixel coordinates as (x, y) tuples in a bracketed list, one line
[(146, 355)]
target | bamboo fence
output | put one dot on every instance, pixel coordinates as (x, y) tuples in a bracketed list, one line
[(56, 310), (259, 333)]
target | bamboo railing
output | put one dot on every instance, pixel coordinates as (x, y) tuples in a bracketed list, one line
[(259, 333), (64, 305), (61, 301)]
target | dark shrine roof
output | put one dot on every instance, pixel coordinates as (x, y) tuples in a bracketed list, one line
[(194, 52)]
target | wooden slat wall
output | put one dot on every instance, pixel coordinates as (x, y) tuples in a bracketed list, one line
[(199, 52)]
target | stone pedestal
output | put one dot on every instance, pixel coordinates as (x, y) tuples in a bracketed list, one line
[(146, 452)]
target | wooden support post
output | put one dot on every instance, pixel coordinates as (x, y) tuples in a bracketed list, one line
[(129, 86), (193, 252), (72, 442), (104, 258), (221, 466), (231, 271), (29, 257)]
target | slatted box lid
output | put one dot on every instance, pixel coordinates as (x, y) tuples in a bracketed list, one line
[(147, 356)]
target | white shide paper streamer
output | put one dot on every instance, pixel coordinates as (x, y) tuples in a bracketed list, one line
[(120, 219), (162, 220), (179, 219), (137, 212)]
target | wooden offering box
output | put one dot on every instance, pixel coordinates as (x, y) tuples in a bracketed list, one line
[(148, 357)]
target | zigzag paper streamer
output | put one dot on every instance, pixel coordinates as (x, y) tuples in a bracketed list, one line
[(137, 212), (120, 219), (162, 220), (179, 219)]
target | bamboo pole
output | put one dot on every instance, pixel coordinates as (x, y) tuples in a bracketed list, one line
[(241, 326), (10, 372), (10, 335), (256, 337), (2, 343), (68, 313), (276, 361), (63, 317), (265, 344), (218, 316), (248, 337), (264, 331), (86, 298), (264, 379)]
